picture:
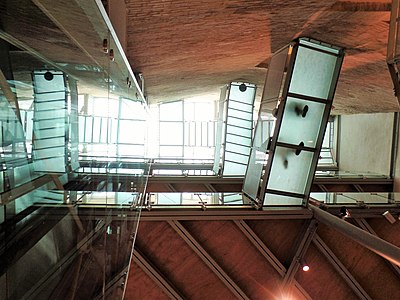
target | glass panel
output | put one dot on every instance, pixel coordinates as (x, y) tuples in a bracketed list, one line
[(312, 73), (236, 157), (240, 106), (171, 133), (240, 122), (295, 128), (132, 132), (289, 172), (279, 200), (247, 115), (171, 111), (245, 96), (273, 82), (231, 168), (230, 138), (238, 131), (256, 164), (238, 149)]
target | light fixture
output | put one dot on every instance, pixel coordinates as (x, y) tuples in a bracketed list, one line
[(389, 217), (304, 266)]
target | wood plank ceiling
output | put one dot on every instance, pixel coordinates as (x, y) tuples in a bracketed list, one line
[(340, 268)]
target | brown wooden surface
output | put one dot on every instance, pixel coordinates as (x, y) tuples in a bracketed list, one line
[(233, 252)]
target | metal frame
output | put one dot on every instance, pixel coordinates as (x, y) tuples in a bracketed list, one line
[(208, 260), (167, 287)]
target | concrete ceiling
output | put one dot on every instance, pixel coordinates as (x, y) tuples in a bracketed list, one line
[(189, 48)]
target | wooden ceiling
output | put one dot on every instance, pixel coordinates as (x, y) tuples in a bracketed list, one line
[(250, 259), (188, 48)]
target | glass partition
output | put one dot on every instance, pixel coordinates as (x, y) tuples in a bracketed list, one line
[(68, 96), (306, 73)]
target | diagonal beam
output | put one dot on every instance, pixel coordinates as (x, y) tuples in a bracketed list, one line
[(171, 291), (266, 252), (340, 268), (362, 223), (373, 243), (301, 250), (208, 260)]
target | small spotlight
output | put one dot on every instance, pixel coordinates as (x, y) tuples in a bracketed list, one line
[(304, 266), (389, 217)]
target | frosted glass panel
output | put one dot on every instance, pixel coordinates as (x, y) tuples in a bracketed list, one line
[(276, 67), (49, 132), (236, 157), (253, 174), (241, 106), (47, 97), (50, 105), (294, 128), (43, 85), (312, 74), (239, 131), (238, 140), (49, 152), (238, 149), (43, 124), (231, 168), (272, 199), (241, 114), (239, 122), (289, 172), (247, 96), (50, 114), (49, 143), (56, 164)]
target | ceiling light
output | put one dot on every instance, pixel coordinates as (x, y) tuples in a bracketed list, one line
[(304, 266), (389, 217)]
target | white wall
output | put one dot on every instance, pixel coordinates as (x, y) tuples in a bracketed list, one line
[(365, 143)]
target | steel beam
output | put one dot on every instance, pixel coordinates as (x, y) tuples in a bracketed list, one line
[(301, 250), (340, 268), (264, 250), (373, 243), (208, 260), (362, 223), (155, 274), (162, 184)]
